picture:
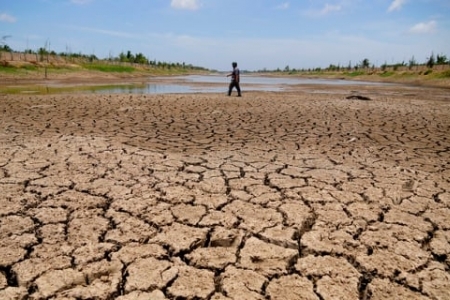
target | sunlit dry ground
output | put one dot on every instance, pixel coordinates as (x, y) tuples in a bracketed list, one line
[(294, 195)]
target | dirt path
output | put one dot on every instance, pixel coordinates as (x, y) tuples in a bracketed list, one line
[(295, 195)]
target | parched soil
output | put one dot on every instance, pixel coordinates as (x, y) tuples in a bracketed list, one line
[(292, 195)]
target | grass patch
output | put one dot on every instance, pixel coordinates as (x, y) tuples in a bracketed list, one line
[(18, 69), (445, 74), (29, 68), (110, 68), (41, 89), (23, 90), (355, 73), (387, 74), (442, 75), (406, 75)]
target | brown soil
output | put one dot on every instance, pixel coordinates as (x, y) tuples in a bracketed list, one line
[(296, 195)]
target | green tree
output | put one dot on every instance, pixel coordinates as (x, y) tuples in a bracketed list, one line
[(365, 63), (431, 61), (122, 57), (441, 59), (5, 48), (140, 59), (130, 56), (42, 52)]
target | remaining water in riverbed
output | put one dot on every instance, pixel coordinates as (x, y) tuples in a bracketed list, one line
[(199, 84), (218, 84)]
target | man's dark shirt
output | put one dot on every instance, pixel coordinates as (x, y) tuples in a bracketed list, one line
[(235, 75)]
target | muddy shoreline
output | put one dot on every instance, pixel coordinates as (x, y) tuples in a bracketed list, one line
[(100, 78)]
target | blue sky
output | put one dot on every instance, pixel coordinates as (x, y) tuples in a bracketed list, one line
[(257, 34)]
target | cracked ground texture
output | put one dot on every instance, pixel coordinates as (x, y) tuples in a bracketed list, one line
[(291, 195)]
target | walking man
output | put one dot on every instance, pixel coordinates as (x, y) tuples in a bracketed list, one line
[(235, 78)]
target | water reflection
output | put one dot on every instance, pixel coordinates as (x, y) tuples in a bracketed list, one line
[(190, 84), (201, 84), (142, 89), (274, 81)]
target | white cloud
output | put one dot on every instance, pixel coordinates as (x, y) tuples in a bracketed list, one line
[(396, 5), (185, 4), (106, 32), (327, 9), (422, 27), (330, 8), (7, 18), (284, 5)]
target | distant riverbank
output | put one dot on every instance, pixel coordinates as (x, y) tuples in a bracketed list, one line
[(78, 75)]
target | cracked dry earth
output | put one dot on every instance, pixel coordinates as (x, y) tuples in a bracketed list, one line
[(291, 195)]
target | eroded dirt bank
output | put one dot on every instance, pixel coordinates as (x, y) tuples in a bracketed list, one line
[(293, 195)]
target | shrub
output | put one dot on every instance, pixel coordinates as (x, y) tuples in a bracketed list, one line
[(387, 73), (445, 74)]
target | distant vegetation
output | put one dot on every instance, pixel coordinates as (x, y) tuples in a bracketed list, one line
[(440, 63), (123, 63), (435, 66)]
